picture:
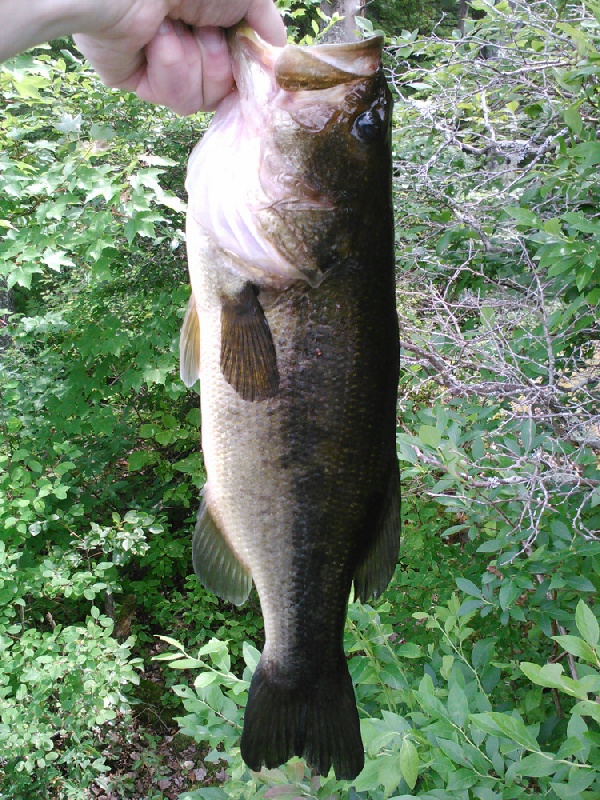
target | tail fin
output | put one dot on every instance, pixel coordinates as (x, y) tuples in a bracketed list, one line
[(319, 723)]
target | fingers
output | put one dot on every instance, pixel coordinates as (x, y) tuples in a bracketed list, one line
[(186, 67), (116, 65), (184, 70), (217, 74), (262, 15)]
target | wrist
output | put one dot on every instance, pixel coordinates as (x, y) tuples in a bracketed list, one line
[(65, 17), (29, 22)]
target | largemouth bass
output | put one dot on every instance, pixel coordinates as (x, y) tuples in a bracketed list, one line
[(292, 330)]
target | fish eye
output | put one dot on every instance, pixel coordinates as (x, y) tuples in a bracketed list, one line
[(367, 126)]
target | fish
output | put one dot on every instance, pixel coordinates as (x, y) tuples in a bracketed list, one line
[(292, 331)]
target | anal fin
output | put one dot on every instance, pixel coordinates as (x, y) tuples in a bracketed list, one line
[(215, 564), (248, 357), (189, 345), (379, 562)]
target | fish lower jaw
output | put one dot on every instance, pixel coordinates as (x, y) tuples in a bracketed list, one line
[(269, 271), (277, 274)]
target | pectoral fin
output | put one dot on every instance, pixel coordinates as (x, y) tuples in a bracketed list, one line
[(215, 564), (248, 357), (379, 562), (189, 345)]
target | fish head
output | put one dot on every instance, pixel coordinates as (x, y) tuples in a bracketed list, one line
[(304, 144)]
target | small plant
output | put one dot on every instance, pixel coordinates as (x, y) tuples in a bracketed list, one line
[(436, 719), (60, 690)]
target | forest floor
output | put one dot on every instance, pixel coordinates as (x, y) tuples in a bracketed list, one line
[(149, 759)]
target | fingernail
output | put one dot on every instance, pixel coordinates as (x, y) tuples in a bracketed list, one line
[(212, 39)]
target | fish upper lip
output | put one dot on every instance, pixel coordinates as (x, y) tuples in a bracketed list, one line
[(351, 60), (253, 47)]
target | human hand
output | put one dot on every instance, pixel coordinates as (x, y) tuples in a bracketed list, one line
[(169, 52)]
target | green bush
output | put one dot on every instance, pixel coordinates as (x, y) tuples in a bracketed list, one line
[(477, 676), (441, 714), (99, 441), (59, 691)]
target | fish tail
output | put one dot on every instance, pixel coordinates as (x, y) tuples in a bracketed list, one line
[(318, 722)]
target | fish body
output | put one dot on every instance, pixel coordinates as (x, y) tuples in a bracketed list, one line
[(293, 331)]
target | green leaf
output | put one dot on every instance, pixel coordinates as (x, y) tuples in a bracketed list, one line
[(390, 772), (458, 706), (579, 780), (409, 763), (577, 647), (587, 624), (587, 708), (430, 435), (491, 546), (210, 793), (167, 657), (191, 465), (535, 765), (579, 583), (251, 656), (384, 770), (139, 460), (551, 675), (469, 606), (204, 679), (582, 223), (172, 642), (101, 132), (488, 315), (454, 751), (508, 593), (527, 434), (523, 216), (409, 650), (140, 224), (188, 663), (572, 117), (426, 698), (514, 729), (468, 587), (477, 447)]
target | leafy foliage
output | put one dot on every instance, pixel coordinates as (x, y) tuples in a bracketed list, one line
[(478, 674), (61, 691), (436, 718), (98, 440), (503, 340), (413, 15)]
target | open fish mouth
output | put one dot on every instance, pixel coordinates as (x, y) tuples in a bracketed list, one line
[(258, 202)]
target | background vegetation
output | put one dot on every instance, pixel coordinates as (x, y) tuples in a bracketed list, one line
[(477, 675)]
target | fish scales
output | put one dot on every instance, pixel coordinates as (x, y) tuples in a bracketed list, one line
[(294, 305)]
